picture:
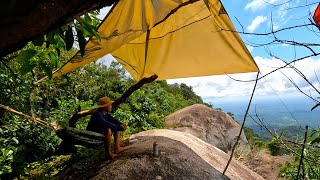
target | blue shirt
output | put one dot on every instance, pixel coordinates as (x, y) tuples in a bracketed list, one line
[(99, 123)]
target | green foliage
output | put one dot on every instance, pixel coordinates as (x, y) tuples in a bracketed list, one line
[(8, 149), (45, 169), (25, 145), (56, 101), (82, 41), (310, 167), (48, 58), (69, 38), (277, 147), (254, 139), (65, 109), (274, 147), (314, 137), (24, 142), (231, 115)]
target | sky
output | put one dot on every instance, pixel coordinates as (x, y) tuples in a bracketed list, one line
[(254, 16)]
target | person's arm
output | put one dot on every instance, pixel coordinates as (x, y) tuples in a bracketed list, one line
[(113, 119), (103, 122), (116, 121)]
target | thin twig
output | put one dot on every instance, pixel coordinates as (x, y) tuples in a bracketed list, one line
[(268, 33), (244, 120), (285, 66), (304, 142), (262, 125), (14, 74)]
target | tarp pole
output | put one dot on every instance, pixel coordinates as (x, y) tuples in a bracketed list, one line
[(242, 126)]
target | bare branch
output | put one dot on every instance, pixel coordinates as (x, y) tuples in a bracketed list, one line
[(11, 71), (275, 5), (244, 120), (268, 33), (285, 66)]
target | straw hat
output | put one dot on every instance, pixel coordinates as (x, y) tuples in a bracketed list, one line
[(105, 101)]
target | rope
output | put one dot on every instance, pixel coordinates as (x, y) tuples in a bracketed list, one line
[(36, 120)]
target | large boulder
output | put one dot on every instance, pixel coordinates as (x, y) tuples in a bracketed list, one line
[(181, 156), (212, 126)]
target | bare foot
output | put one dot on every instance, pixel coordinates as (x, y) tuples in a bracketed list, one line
[(119, 149), (110, 156)]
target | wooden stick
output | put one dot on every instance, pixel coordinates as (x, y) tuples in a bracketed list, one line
[(36, 120)]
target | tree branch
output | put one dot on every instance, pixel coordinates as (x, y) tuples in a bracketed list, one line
[(132, 89), (78, 114)]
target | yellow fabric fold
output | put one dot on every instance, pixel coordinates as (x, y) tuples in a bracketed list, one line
[(185, 40)]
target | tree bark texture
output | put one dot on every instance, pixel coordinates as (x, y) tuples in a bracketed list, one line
[(21, 21), (132, 89)]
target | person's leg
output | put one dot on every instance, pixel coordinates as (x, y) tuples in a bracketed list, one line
[(117, 147), (107, 145)]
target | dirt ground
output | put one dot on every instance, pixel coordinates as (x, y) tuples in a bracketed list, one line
[(265, 164)]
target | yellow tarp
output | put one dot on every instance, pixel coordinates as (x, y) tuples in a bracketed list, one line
[(184, 39)]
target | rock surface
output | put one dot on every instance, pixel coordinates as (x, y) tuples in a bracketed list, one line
[(216, 158), (181, 156), (212, 126), (175, 161)]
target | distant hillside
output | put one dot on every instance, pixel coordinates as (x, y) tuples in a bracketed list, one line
[(272, 111)]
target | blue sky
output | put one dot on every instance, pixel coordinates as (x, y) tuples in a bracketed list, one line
[(255, 17)]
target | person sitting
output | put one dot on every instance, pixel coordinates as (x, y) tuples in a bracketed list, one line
[(103, 122)]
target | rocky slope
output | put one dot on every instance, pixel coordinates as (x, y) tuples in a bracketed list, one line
[(212, 126), (181, 156)]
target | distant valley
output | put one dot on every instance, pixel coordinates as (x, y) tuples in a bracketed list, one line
[(291, 113)]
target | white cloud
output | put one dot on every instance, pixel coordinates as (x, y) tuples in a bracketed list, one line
[(256, 22), (223, 86), (259, 4), (279, 13)]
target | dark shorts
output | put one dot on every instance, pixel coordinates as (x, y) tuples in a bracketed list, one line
[(103, 131), (101, 124)]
